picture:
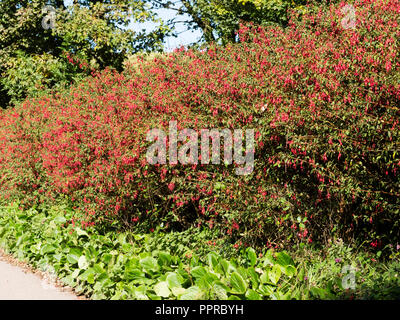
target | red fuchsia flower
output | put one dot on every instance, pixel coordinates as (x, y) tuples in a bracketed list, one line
[(171, 186)]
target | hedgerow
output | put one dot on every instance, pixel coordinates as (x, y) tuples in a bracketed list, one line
[(324, 103)]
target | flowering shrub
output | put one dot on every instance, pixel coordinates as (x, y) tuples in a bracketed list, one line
[(324, 103)]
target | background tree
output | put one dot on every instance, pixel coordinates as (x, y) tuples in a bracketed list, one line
[(93, 33), (219, 19)]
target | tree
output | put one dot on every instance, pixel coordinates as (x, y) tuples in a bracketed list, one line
[(37, 42), (219, 19)]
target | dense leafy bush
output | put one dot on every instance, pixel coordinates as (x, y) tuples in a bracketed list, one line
[(323, 100), (34, 75)]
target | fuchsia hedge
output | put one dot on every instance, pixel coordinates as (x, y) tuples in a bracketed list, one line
[(324, 102)]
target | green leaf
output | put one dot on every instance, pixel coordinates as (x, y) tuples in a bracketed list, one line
[(198, 272), (238, 284), (212, 259), (264, 277), (149, 263), (72, 258), (47, 248), (284, 259), (106, 258), (134, 273), (267, 290), (162, 290), (252, 295), (225, 265), (178, 291), (174, 281), (220, 290), (274, 274), (254, 277), (164, 258), (83, 263), (88, 275), (268, 259), (251, 256), (290, 271), (193, 293), (81, 232)]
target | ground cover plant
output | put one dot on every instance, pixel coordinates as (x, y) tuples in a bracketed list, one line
[(135, 266), (323, 100)]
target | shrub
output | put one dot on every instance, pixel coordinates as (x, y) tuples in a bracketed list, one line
[(324, 103)]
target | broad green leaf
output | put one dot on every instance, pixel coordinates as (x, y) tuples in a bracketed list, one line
[(134, 274), (238, 284), (192, 293), (225, 265), (88, 273), (254, 278), (83, 263), (212, 259), (290, 271), (266, 290), (162, 290), (72, 258), (283, 259), (178, 291), (252, 295), (251, 256), (106, 258), (198, 272), (274, 274), (81, 232), (149, 263), (268, 258), (164, 258), (220, 290), (174, 280), (264, 277), (47, 248)]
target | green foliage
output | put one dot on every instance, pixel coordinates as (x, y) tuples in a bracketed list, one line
[(115, 266), (120, 266), (92, 32), (33, 74), (219, 19)]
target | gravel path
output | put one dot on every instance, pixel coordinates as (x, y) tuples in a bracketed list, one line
[(18, 282)]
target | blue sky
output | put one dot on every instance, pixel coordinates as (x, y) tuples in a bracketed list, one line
[(184, 38)]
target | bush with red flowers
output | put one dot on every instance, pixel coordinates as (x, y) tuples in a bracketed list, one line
[(324, 101)]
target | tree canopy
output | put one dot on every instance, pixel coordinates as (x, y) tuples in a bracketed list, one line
[(36, 54), (219, 19)]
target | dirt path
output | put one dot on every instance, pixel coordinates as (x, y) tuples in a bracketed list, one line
[(19, 282)]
